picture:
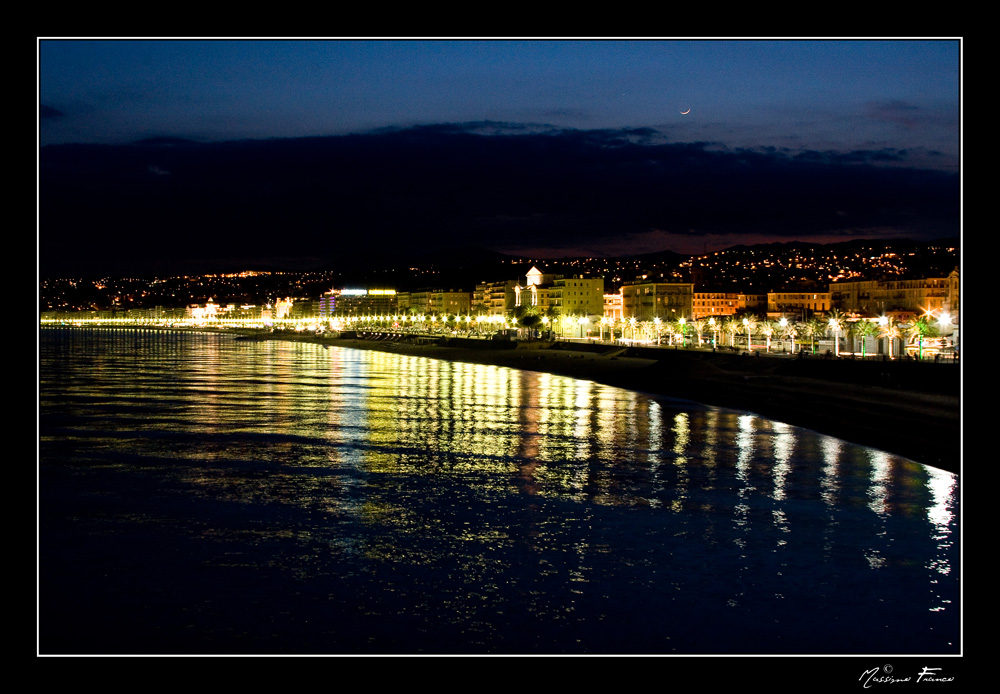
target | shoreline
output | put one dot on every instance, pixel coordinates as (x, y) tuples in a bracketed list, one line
[(911, 409)]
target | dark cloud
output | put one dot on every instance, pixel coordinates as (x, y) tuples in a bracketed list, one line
[(395, 193), (897, 112), (48, 113)]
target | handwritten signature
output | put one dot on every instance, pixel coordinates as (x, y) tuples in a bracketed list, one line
[(884, 675)]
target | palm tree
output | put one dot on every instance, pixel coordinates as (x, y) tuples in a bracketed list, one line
[(750, 324), (789, 330), (604, 322), (530, 321), (812, 329), (793, 332), (550, 319), (918, 330), (714, 327), (732, 326), (671, 329), (767, 328), (863, 329), (699, 328), (836, 323), (889, 330)]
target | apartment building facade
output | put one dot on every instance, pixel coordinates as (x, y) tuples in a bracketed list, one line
[(802, 305), (874, 298), (645, 301)]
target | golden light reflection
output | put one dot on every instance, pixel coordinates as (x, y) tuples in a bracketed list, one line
[(583, 411), (745, 448), (784, 448), (878, 488), (942, 486), (941, 513), (830, 481), (711, 441), (681, 432), (608, 418)]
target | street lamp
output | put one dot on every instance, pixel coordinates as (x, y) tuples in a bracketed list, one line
[(835, 326), (944, 320)]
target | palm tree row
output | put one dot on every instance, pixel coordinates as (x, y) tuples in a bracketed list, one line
[(750, 332), (746, 331)]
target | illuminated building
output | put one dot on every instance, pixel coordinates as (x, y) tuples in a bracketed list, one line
[(436, 301), (282, 308), (613, 306), (915, 296), (578, 295), (353, 302), (326, 306), (206, 312), (535, 290), (802, 305), (645, 301), (709, 304), (575, 295), (494, 298)]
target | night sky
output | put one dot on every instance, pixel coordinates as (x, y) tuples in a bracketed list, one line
[(167, 155)]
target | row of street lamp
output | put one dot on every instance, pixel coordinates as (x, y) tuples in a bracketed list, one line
[(651, 331), (748, 325)]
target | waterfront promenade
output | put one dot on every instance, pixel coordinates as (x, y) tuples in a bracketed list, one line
[(909, 408)]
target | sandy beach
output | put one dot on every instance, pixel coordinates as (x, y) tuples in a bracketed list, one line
[(909, 408)]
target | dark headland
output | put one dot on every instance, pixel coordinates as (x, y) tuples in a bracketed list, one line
[(906, 407)]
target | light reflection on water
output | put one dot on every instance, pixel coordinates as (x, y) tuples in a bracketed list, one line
[(202, 494)]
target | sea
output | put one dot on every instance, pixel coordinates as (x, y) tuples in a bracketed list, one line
[(204, 495)]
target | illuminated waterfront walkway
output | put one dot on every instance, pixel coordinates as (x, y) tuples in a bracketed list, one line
[(757, 338)]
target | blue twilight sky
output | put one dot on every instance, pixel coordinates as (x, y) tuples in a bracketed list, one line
[(531, 146), (816, 94)]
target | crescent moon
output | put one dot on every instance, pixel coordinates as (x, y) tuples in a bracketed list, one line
[(684, 113)]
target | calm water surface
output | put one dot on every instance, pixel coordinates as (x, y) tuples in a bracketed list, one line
[(200, 494)]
